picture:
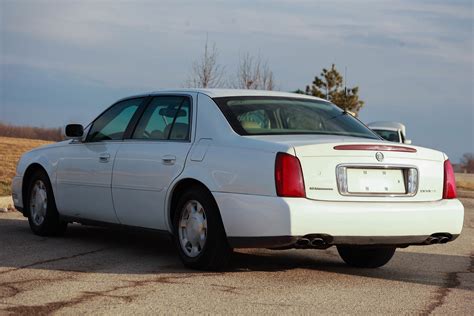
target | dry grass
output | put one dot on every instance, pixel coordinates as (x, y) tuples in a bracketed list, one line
[(10, 151), (465, 181)]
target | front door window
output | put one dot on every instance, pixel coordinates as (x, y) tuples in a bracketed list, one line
[(112, 124)]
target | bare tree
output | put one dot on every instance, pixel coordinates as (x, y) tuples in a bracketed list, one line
[(206, 72), (267, 78), (254, 73), (467, 162)]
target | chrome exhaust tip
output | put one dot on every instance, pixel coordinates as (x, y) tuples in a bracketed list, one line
[(302, 242), (432, 240), (318, 242), (443, 240)]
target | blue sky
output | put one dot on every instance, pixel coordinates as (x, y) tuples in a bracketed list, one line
[(64, 61)]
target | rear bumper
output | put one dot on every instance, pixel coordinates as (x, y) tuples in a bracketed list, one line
[(284, 220), (322, 241)]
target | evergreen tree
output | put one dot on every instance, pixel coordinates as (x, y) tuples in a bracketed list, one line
[(330, 86)]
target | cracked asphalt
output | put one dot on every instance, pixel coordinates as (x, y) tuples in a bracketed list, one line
[(101, 271)]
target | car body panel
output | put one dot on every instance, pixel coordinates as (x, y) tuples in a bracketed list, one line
[(84, 174), (46, 157), (141, 180)]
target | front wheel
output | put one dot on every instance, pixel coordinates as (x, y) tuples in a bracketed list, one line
[(43, 216), (198, 231), (362, 257)]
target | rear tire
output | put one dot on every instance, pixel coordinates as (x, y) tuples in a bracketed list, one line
[(40, 205), (199, 233), (361, 257)]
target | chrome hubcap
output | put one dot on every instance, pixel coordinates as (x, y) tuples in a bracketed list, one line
[(38, 202), (192, 228)]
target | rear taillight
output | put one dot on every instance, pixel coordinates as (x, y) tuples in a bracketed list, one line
[(288, 176), (449, 189)]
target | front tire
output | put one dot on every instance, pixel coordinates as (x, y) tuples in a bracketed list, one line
[(198, 231), (362, 257), (43, 216)]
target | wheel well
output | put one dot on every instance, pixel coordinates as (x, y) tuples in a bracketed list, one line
[(26, 182), (179, 189)]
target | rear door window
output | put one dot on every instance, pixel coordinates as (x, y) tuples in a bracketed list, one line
[(165, 118)]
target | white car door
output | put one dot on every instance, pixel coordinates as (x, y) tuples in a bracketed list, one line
[(84, 173), (148, 162)]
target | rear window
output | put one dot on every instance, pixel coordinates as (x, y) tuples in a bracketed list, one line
[(285, 116)]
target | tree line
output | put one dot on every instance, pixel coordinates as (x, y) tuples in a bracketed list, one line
[(29, 132)]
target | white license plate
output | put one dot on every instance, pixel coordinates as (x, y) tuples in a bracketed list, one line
[(390, 181)]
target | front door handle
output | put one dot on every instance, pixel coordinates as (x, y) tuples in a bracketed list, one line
[(104, 157), (168, 159)]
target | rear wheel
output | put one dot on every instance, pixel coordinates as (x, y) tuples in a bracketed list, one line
[(43, 216), (366, 257), (198, 231)]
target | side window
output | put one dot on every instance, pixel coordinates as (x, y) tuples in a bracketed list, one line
[(111, 125), (166, 118)]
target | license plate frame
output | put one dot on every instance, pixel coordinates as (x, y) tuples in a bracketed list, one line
[(409, 174)]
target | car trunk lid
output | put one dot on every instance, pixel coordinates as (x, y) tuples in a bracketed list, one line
[(374, 171)]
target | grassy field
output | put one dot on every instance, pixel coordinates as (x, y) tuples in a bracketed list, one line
[(465, 181), (12, 148), (10, 151)]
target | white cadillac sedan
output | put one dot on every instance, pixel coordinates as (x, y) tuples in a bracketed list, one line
[(224, 169)]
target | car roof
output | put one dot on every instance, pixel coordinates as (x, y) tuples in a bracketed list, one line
[(218, 93)]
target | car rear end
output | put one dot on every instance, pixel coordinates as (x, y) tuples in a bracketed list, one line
[(370, 194), (336, 183)]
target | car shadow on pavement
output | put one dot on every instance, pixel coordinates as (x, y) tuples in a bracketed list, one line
[(103, 250), (412, 267)]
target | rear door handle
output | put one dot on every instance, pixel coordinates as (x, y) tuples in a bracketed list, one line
[(168, 159), (104, 157)]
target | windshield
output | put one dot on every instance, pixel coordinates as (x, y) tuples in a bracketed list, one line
[(391, 136), (284, 116)]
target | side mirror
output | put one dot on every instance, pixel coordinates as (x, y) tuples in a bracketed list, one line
[(74, 131), (407, 141)]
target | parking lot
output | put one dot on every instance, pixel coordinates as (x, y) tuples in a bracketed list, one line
[(97, 270)]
